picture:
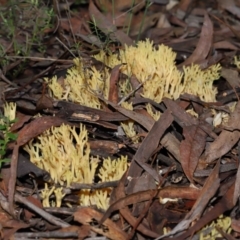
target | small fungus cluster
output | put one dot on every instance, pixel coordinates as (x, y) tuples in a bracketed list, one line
[(65, 154), (157, 70), (9, 110), (128, 125), (154, 67), (81, 85), (236, 61), (210, 231)]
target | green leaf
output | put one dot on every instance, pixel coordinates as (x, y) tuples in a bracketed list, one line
[(5, 160), (13, 121), (12, 136), (2, 152), (3, 127)]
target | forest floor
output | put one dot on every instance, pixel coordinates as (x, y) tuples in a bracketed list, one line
[(119, 119)]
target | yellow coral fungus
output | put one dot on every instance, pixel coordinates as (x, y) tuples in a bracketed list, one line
[(127, 105), (113, 169), (222, 222), (221, 117), (65, 154), (56, 89), (81, 85), (59, 196), (66, 162), (210, 231), (156, 69), (125, 88), (128, 125), (200, 82), (9, 110), (153, 113), (45, 194), (236, 61), (192, 112), (110, 171)]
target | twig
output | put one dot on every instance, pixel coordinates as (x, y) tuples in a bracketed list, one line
[(6, 80), (79, 186), (130, 94), (42, 59), (66, 47), (133, 91), (54, 220), (53, 234), (5, 204)]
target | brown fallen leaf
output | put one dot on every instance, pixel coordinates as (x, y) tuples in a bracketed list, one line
[(119, 193), (36, 127), (13, 177), (212, 183), (146, 121), (7, 221), (167, 192), (113, 89), (160, 216), (88, 216), (107, 27), (184, 5), (120, 6), (204, 44), (73, 24), (226, 140), (28, 214), (83, 231), (191, 149), (181, 117), (185, 119), (235, 225), (230, 6), (149, 144), (21, 120), (44, 102), (222, 206), (138, 26), (236, 193), (231, 76), (11, 226), (225, 45)]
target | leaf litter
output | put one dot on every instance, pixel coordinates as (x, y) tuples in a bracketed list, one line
[(127, 120)]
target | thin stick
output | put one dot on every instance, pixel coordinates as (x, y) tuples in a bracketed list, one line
[(54, 220)]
